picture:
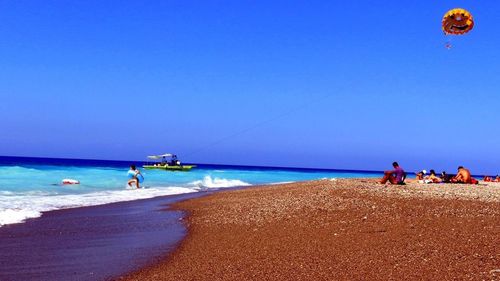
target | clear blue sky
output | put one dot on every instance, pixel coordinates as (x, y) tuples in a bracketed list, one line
[(335, 84)]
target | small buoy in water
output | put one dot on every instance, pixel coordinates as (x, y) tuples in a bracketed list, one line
[(70, 181)]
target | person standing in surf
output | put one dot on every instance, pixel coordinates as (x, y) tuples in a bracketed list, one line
[(135, 177)]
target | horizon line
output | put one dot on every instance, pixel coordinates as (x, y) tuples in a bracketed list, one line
[(208, 164)]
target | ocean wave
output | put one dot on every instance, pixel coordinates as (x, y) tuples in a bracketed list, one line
[(281, 182), (29, 192), (10, 216), (6, 192), (209, 182), (17, 208), (16, 169)]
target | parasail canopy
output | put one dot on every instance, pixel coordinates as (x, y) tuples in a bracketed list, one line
[(457, 22)]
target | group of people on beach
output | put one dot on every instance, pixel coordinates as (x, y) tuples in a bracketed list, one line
[(394, 176), (491, 179), (463, 176), (398, 176)]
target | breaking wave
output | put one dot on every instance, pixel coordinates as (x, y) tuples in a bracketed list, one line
[(16, 207), (209, 182)]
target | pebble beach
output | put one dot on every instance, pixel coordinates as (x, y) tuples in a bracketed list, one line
[(338, 229)]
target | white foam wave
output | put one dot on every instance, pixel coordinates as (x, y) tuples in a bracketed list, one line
[(17, 208), (9, 169), (209, 182), (281, 182), (6, 192), (9, 216)]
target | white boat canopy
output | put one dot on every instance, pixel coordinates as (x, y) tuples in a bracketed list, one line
[(160, 156)]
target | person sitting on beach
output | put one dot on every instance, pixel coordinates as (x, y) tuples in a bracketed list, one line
[(487, 179), (396, 176), (445, 177), (420, 176), (463, 176), (135, 177), (497, 179), (432, 177)]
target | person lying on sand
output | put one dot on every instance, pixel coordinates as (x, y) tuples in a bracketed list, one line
[(463, 176), (396, 176), (487, 179), (433, 178), (497, 179), (421, 178)]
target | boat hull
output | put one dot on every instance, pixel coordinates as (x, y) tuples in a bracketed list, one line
[(170, 168)]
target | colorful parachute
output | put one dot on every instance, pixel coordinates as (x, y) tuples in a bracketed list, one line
[(457, 22)]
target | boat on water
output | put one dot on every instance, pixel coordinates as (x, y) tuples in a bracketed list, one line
[(168, 162)]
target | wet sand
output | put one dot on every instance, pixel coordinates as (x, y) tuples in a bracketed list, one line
[(91, 243), (338, 230)]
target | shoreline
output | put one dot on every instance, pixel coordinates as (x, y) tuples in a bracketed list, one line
[(337, 230), (181, 214), (92, 242)]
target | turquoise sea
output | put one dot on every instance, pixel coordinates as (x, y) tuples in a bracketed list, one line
[(30, 186)]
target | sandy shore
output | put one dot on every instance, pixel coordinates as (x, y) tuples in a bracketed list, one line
[(339, 230)]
